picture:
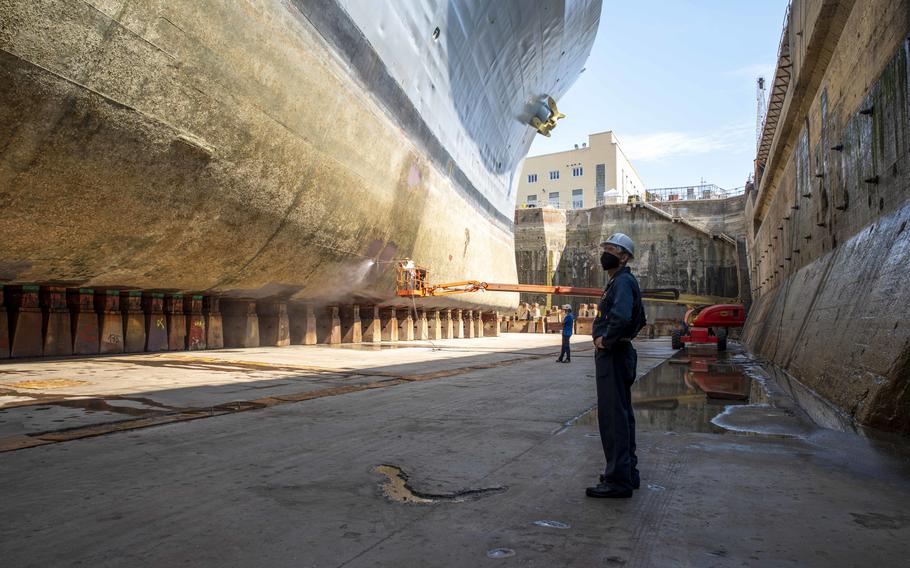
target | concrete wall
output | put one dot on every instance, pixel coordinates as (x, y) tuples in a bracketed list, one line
[(562, 247), (715, 215), (540, 239), (827, 224)]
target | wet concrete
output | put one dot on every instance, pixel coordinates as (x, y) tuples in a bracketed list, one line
[(691, 392), (296, 484), (113, 392), (70, 413)]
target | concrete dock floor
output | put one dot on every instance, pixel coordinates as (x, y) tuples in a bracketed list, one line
[(474, 454)]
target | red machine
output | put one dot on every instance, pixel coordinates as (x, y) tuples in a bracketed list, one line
[(720, 381), (709, 324)]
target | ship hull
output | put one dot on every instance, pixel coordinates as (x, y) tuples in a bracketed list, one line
[(226, 148)]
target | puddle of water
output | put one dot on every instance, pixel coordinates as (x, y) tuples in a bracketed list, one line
[(551, 524), (500, 553), (119, 403), (48, 414), (116, 406), (686, 397), (761, 419)]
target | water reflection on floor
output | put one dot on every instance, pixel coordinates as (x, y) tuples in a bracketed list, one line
[(685, 393)]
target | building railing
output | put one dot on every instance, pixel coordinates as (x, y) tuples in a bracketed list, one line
[(681, 193), (692, 193)]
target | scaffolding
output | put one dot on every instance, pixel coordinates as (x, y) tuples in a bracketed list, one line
[(779, 88)]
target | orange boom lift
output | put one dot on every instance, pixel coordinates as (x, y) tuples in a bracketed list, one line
[(412, 283), (707, 320)]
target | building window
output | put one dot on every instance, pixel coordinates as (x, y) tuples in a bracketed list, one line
[(531, 201), (577, 171), (554, 174), (578, 200), (532, 178), (600, 182), (554, 199)]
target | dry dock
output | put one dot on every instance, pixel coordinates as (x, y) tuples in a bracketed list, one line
[(487, 446)]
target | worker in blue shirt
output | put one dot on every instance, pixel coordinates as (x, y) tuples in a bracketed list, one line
[(568, 326), (620, 316)]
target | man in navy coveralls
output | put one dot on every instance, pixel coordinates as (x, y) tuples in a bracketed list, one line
[(620, 316)]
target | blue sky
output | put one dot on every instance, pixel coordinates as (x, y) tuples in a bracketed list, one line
[(675, 80)]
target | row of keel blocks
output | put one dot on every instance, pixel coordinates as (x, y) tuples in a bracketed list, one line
[(252, 324), (53, 321)]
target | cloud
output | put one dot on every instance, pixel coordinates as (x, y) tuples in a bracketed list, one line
[(662, 145)]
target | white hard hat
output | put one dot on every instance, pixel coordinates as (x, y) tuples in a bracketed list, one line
[(621, 240), (567, 307)]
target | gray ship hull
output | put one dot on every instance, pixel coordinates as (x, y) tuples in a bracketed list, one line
[(266, 149)]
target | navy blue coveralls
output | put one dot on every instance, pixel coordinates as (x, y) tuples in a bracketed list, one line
[(568, 326), (620, 316)]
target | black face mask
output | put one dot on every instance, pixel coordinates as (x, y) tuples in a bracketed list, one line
[(609, 261)]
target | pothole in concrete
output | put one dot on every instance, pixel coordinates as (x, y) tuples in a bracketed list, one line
[(500, 553), (396, 488), (550, 524)]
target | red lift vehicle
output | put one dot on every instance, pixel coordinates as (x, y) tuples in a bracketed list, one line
[(709, 324), (718, 380)]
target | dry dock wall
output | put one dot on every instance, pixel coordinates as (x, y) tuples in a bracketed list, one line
[(561, 247), (715, 215), (829, 219)]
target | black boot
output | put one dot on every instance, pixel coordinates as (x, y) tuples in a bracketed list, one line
[(604, 491), (636, 480)]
